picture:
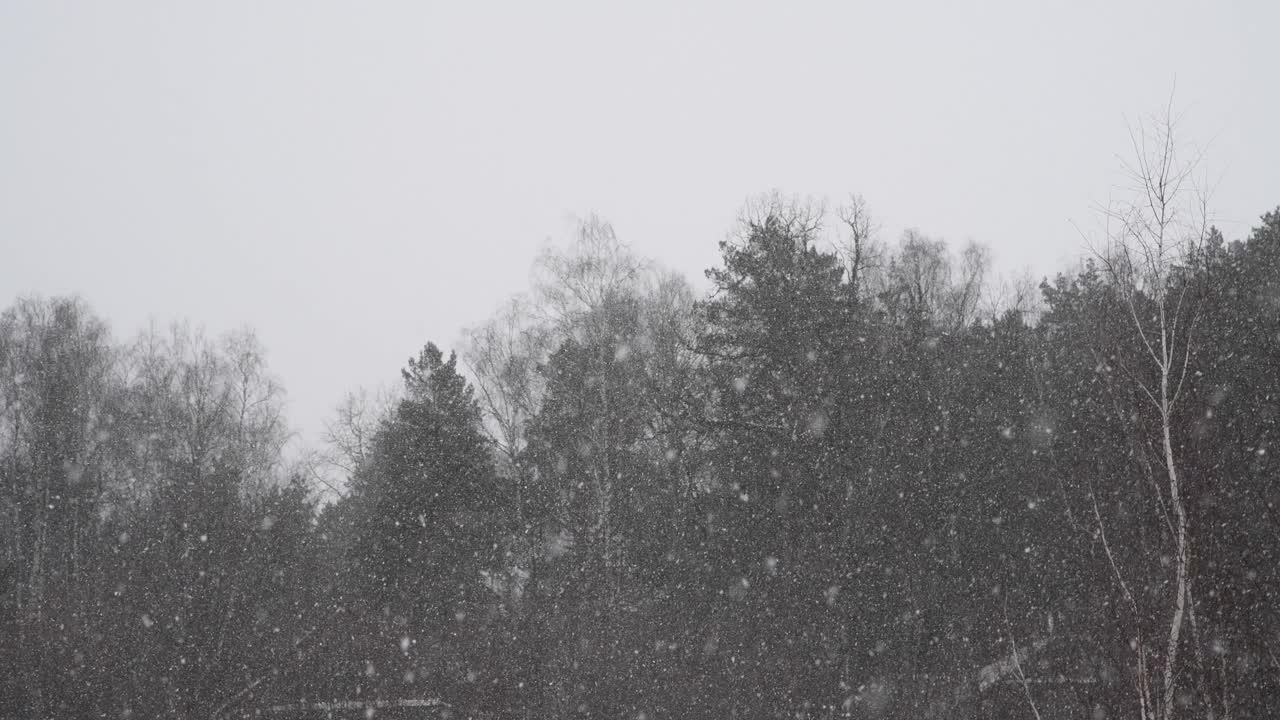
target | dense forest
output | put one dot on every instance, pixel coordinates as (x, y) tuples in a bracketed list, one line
[(855, 478)]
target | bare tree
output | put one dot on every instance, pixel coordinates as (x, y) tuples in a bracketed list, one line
[(1019, 293), (975, 261), (198, 403), (798, 217), (356, 420), (347, 439), (260, 427), (927, 281), (1148, 238), (503, 356), (572, 286), (596, 293), (858, 248), (586, 275)]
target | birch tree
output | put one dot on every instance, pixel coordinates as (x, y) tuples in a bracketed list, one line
[(1150, 239)]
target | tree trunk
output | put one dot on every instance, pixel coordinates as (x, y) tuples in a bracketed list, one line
[(1180, 561)]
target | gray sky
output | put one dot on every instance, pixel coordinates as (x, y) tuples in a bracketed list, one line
[(352, 179)]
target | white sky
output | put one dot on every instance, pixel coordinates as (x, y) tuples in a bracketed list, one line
[(353, 179)]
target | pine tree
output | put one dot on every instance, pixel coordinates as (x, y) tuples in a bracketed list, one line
[(427, 527)]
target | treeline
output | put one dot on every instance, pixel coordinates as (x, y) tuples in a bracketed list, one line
[(842, 483)]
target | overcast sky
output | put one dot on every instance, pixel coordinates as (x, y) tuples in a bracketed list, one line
[(353, 179)]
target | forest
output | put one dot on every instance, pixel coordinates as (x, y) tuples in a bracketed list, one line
[(854, 478)]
